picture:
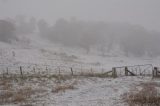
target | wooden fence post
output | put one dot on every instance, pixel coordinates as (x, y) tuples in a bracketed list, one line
[(155, 72), (114, 73), (34, 70), (71, 71), (59, 75), (126, 71), (21, 72), (47, 70)]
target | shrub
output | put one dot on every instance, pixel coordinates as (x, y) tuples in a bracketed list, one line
[(63, 88), (147, 96)]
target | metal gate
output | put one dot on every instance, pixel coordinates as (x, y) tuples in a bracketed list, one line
[(136, 70)]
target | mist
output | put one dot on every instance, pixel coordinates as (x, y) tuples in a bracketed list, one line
[(79, 52), (7, 31), (143, 12), (131, 39), (132, 26)]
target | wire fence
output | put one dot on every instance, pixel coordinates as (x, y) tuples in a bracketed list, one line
[(36, 69), (40, 70)]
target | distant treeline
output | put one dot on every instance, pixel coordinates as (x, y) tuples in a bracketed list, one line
[(131, 39), (10, 28)]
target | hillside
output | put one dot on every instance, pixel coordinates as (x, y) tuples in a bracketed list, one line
[(33, 49)]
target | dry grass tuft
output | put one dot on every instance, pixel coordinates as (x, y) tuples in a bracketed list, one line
[(19, 98), (27, 92), (12, 96), (147, 96), (64, 87), (5, 96)]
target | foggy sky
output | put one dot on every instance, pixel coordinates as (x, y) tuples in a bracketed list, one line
[(141, 12)]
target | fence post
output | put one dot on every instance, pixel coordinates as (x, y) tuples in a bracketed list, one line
[(126, 71), (156, 69), (71, 71), (114, 73), (59, 75), (155, 72), (47, 70), (21, 72)]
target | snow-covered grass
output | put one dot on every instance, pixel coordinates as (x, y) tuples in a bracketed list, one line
[(40, 52), (146, 94), (75, 91), (53, 60)]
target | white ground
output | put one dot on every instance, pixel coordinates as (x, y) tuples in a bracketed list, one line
[(95, 92), (87, 92), (90, 91)]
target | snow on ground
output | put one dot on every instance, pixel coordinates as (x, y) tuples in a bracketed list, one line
[(40, 52), (86, 92), (99, 92), (95, 92), (89, 91)]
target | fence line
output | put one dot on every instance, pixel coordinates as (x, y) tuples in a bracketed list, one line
[(35, 69), (32, 69)]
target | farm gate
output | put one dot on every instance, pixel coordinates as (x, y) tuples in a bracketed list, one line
[(136, 70)]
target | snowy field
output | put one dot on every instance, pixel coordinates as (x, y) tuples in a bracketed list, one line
[(86, 91), (80, 91)]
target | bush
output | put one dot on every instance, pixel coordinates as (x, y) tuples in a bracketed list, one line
[(147, 96)]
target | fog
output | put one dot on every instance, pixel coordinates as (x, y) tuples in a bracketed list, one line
[(132, 39), (7, 31), (142, 12), (132, 25)]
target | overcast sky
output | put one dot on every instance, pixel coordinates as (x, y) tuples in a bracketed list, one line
[(142, 12)]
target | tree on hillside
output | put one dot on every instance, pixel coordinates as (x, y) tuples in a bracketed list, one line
[(7, 31)]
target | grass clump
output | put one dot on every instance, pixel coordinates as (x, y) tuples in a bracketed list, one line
[(62, 88), (148, 95)]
